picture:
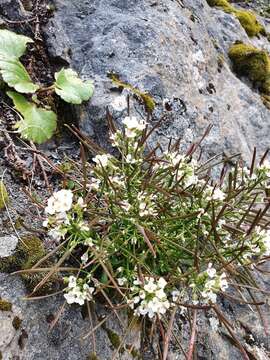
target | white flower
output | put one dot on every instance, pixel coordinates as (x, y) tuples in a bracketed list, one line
[(211, 271), (119, 103), (88, 291), (218, 195), (78, 293), (45, 223), (175, 295), (262, 237), (84, 258), (83, 226), (94, 184), (223, 282), (81, 203), (88, 242), (62, 218), (56, 234), (125, 205), (136, 300), (265, 167), (174, 157), (59, 202), (160, 294), (130, 159), (190, 180), (116, 138), (102, 160), (131, 122), (150, 286), (161, 283), (137, 281), (117, 180), (142, 294), (72, 281), (133, 126), (121, 281)]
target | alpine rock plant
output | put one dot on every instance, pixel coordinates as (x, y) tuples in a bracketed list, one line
[(152, 227)]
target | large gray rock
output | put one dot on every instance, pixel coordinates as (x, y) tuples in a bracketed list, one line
[(173, 49)]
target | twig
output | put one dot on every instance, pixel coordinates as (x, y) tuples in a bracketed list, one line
[(168, 335), (193, 336)]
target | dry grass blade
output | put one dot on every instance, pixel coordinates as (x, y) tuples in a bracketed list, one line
[(97, 326), (168, 335), (193, 336), (57, 317), (52, 271), (228, 326), (150, 246)]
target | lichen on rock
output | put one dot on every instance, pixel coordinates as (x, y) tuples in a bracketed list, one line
[(253, 63)]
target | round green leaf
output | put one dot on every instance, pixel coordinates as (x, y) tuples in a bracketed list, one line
[(71, 88), (36, 124), (12, 45), (15, 75)]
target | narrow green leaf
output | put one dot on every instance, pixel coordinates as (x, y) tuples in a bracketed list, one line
[(36, 124), (15, 75), (71, 88), (12, 45)]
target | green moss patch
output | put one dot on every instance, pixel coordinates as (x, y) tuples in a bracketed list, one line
[(246, 18), (3, 196), (5, 305), (253, 63), (16, 322), (92, 356), (28, 252), (146, 98)]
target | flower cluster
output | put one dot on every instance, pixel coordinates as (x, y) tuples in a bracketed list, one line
[(78, 291), (139, 217), (257, 244), (149, 298), (147, 204), (207, 284), (58, 206)]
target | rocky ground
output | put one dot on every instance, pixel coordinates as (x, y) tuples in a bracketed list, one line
[(175, 50)]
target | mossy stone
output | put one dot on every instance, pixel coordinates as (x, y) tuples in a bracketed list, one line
[(5, 305), (253, 63), (246, 18), (92, 356), (3, 196), (16, 322), (249, 22), (28, 252)]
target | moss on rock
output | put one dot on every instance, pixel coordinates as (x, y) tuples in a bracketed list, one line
[(92, 356), (3, 196), (5, 305), (28, 252), (16, 322), (253, 63), (246, 18)]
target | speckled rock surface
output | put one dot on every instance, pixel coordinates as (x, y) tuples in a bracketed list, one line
[(7, 245), (173, 49)]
